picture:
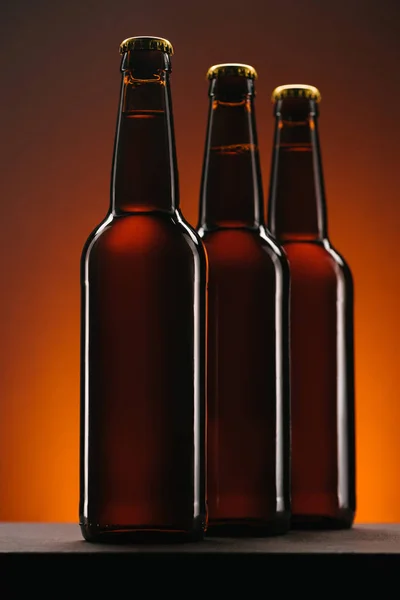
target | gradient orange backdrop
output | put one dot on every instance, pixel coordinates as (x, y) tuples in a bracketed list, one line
[(59, 94)]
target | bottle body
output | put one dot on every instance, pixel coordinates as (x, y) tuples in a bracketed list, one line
[(248, 439), (323, 441), (143, 328), (321, 327), (248, 407), (143, 287)]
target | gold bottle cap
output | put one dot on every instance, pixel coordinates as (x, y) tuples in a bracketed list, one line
[(232, 69), (146, 42), (296, 90)]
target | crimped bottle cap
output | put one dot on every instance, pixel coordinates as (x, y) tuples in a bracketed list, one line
[(145, 42), (296, 90), (232, 69)]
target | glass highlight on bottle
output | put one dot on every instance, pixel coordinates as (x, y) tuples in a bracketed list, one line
[(248, 356), (144, 278), (322, 352)]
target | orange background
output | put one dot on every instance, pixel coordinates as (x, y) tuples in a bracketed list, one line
[(59, 95)]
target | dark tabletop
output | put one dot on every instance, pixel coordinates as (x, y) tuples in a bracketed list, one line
[(66, 538), (48, 558)]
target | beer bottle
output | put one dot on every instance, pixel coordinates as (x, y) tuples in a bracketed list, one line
[(248, 356), (143, 281), (322, 362)]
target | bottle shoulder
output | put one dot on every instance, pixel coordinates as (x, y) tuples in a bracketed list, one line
[(234, 252), (141, 233), (338, 258), (313, 259), (238, 242)]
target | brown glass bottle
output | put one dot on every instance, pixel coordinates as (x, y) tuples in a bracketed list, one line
[(322, 361), (144, 278), (248, 357)]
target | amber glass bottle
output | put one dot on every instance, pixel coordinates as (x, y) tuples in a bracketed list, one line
[(248, 357), (144, 280), (322, 361)]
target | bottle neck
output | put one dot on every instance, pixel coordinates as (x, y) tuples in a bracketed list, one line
[(296, 207), (144, 175), (231, 194)]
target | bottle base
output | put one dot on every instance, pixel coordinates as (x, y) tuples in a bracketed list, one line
[(278, 525), (143, 534), (343, 520)]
